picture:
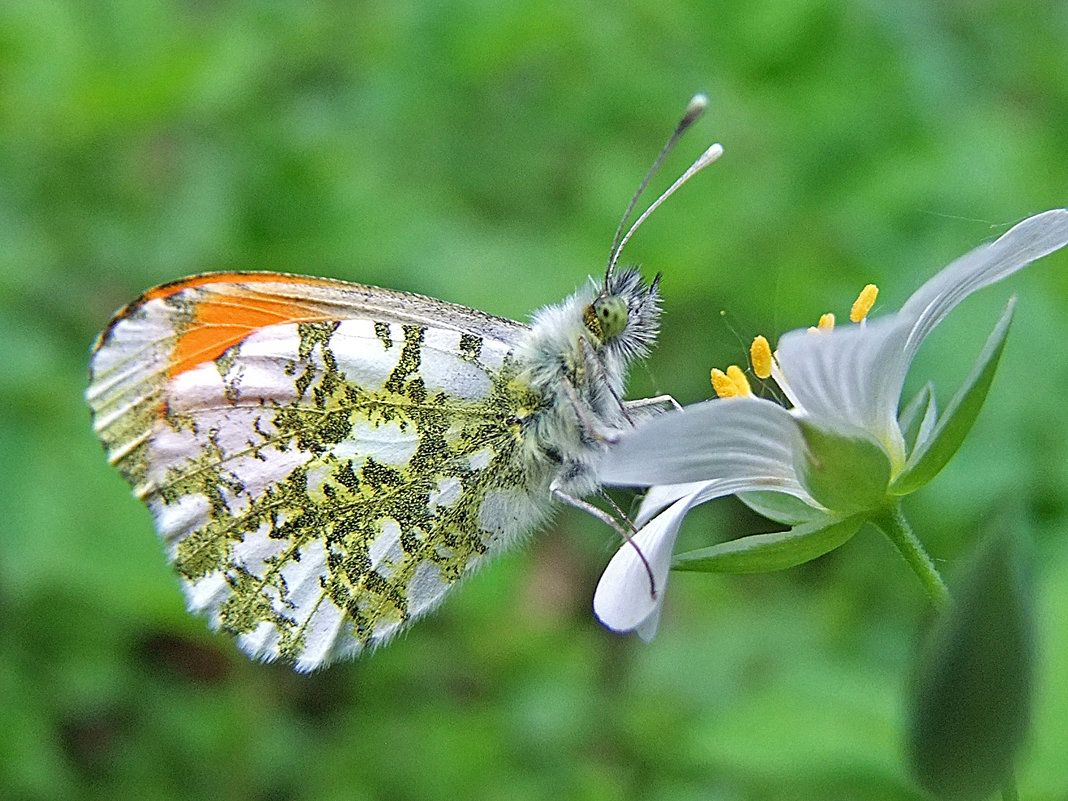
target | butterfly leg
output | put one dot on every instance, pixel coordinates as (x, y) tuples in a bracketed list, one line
[(658, 400), (594, 360), (588, 425), (604, 517), (587, 507)]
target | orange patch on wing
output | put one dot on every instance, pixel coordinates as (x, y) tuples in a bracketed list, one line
[(224, 320), (174, 287)]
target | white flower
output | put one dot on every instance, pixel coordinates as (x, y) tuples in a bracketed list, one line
[(834, 459)]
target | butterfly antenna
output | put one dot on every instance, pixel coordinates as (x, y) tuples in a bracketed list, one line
[(694, 110), (698, 104)]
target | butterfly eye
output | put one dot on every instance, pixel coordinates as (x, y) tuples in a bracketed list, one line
[(609, 317)]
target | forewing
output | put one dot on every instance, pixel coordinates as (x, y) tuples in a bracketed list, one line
[(321, 480), (176, 326)]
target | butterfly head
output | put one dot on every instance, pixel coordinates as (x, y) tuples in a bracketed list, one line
[(624, 317)]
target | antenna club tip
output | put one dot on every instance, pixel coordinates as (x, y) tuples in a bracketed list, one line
[(697, 106)]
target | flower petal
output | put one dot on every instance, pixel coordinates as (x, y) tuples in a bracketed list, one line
[(856, 373), (740, 443), (1022, 244), (660, 496), (625, 600), (853, 374), (647, 630)]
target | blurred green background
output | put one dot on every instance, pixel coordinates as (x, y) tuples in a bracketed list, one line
[(482, 152)]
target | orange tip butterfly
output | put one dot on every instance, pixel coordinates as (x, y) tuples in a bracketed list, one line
[(325, 460)]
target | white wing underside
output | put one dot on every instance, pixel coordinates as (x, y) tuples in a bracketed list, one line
[(283, 474)]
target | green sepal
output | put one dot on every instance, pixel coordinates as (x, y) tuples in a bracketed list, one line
[(780, 507), (932, 454), (918, 417), (970, 698), (845, 469), (763, 553)]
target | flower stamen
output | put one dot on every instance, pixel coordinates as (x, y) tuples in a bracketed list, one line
[(862, 305), (760, 357), (731, 384), (722, 385), (826, 323)]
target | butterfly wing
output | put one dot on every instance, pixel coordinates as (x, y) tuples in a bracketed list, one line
[(324, 460)]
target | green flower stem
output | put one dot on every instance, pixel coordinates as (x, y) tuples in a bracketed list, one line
[(893, 524)]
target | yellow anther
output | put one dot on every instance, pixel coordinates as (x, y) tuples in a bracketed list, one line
[(760, 356), (862, 305), (737, 377), (826, 323), (730, 384), (723, 386)]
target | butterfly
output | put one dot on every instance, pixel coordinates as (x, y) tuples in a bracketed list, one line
[(325, 460)]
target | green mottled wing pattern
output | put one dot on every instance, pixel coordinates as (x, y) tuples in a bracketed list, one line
[(321, 484)]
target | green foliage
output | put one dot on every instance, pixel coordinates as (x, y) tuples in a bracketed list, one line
[(482, 152), (761, 553)]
